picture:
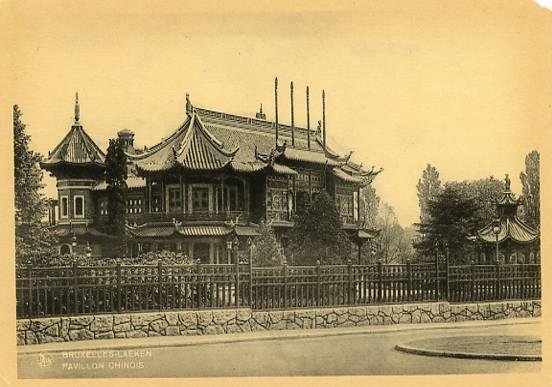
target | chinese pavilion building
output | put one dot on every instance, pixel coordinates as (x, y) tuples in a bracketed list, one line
[(214, 178), (509, 236)]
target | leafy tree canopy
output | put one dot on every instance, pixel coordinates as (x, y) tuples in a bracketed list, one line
[(267, 251), (318, 234), (530, 181), (452, 219), (116, 173), (33, 240), (427, 188)]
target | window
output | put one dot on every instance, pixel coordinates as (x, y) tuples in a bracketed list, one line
[(103, 207), (174, 198), (64, 206), (134, 206), (79, 206), (155, 197), (279, 204), (200, 199), (344, 204)]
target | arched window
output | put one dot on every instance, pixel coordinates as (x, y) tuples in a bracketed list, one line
[(79, 206)]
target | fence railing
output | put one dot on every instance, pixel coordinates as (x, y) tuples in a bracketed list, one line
[(73, 290)]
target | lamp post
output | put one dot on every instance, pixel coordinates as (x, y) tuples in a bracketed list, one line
[(88, 250), (496, 231), (73, 246)]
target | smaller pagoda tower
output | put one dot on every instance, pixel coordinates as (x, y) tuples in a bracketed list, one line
[(78, 164), (507, 236)]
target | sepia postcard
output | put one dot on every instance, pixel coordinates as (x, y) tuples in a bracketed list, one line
[(257, 193)]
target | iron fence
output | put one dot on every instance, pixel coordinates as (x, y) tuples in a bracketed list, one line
[(74, 290)]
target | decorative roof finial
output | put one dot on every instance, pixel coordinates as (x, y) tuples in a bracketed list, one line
[(189, 107), (77, 108), (276, 106), (507, 183), (324, 117), (308, 120), (292, 115)]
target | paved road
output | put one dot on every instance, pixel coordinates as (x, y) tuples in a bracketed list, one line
[(351, 354)]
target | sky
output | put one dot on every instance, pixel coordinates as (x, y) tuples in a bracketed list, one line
[(463, 85)]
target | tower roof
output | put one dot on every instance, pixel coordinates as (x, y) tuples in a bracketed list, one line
[(511, 227), (191, 147), (76, 148)]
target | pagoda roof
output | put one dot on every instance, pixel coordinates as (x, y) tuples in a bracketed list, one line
[(508, 199), (76, 148), (510, 228), (62, 230), (169, 229), (190, 147)]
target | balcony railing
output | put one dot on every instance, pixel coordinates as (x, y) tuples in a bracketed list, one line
[(194, 216)]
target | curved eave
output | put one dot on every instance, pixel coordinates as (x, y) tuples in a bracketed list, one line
[(47, 165), (345, 177), (510, 229)]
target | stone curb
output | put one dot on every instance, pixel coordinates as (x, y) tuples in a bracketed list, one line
[(465, 355), (186, 341)]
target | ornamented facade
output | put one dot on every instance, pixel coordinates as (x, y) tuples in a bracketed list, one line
[(212, 180)]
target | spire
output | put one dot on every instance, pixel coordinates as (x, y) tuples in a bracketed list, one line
[(292, 115), (276, 106), (324, 117), (308, 120), (77, 108), (260, 115), (507, 183), (189, 107)]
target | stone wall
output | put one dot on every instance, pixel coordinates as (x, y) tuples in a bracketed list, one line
[(208, 322)]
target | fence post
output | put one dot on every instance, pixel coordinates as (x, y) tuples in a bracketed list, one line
[(350, 287), (285, 283), (237, 270), (250, 274), (119, 287), (409, 279), (380, 282), (198, 283), (472, 293), (318, 300), (30, 286), (160, 283), (437, 285), (498, 284), (75, 287), (448, 274)]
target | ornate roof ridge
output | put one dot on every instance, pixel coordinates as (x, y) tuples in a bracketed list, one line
[(93, 153), (192, 146)]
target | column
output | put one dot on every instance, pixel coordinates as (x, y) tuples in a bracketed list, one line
[(182, 206)]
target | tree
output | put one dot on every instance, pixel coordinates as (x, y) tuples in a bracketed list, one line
[(428, 187), (267, 250), (318, 235), (369, 204), (34, 242), (484, 192), (393, 244), (116, 173), (530, 181), (451, 221)]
